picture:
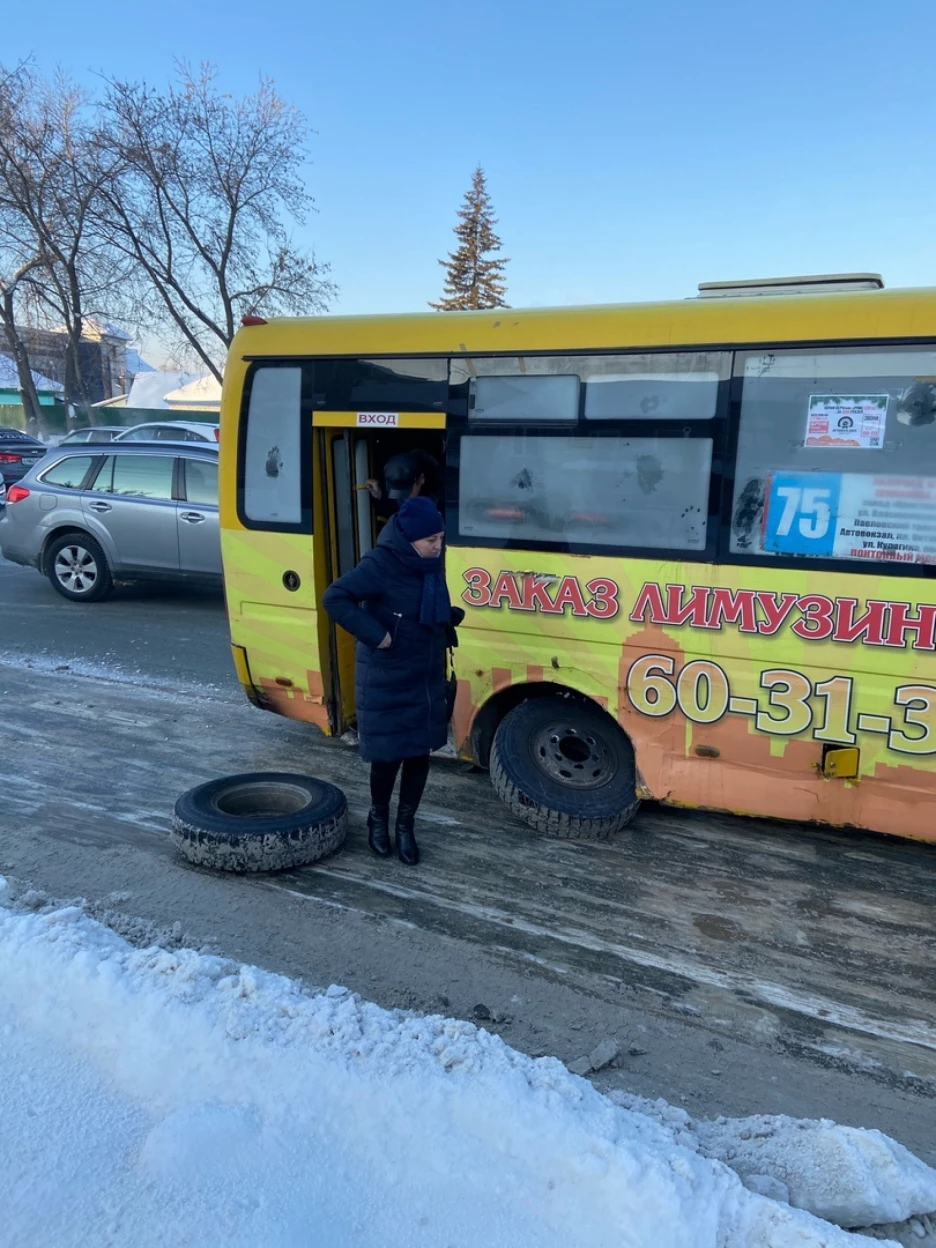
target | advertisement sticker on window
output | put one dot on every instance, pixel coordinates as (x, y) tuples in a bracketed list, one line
[(852, 515), (892, 519), (855, 420)]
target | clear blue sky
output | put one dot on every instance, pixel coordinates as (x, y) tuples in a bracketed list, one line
[(632, 149)]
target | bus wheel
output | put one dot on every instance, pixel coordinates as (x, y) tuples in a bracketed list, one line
[(260, 821), (565, 768)]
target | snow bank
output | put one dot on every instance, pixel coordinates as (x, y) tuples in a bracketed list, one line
[(157, 1097), (850, 1176), (854, 1177)]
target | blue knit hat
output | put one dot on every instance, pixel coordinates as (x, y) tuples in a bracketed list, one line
[(419, 517)]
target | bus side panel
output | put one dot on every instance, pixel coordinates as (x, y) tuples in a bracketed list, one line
[(732, 683), (277, 627), (750, 763)]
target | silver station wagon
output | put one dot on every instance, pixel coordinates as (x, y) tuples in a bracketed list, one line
[(87, 516)]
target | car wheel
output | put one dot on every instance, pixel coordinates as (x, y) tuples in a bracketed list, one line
[(565, 768), (261, 821), (77, 567)]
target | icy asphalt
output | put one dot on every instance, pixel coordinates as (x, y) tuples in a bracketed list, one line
[(737, 966)]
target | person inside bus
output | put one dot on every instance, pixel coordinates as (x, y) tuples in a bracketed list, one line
[(408, 474), (396, 604)]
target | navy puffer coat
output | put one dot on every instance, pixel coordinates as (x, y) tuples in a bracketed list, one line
[(400, 691)]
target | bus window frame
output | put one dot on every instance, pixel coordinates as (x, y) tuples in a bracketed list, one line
[(724, 428), (306, 484), (804, 563), (459, 424), (386, 405)]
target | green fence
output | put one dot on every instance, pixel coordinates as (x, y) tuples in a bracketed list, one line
[(52, 419)]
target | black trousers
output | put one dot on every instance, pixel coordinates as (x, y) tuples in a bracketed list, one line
[(383, 777)]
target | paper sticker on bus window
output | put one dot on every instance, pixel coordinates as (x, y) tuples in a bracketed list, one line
[(855, 420), (887, 519), (884, 519)]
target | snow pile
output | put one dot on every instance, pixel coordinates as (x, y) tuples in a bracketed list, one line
[(849, 1176), (857, 1178), (914, 1233), (155, 1097)]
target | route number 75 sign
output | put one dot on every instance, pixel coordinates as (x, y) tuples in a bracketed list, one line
[(802, 513)]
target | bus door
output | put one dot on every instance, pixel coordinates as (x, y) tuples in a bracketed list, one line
[(347, 533), (349, 524)]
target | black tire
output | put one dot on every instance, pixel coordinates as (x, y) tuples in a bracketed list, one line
[(77, 567), (259, 821), (565, 768)]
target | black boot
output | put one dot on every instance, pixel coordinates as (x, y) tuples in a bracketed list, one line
[(406, 835), (378, 831)]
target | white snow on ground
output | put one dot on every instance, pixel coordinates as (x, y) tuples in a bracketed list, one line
[(114, 673), (849, 1176), (855, 1178), (172, 1098)]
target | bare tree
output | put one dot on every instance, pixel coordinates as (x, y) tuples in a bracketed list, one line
[(20, 255), (203, 190), (52, 172), (86, 273)]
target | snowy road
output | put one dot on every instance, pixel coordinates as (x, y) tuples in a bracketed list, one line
[(740, 967)]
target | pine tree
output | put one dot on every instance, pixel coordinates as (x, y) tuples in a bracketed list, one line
[(473, 278)]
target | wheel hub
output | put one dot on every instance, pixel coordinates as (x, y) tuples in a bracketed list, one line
[(75, 569), (573, 757)]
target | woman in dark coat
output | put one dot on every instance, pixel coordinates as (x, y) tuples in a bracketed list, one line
[(402, 631)]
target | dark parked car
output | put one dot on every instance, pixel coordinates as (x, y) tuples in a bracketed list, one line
[(18, 453), (97, 433)]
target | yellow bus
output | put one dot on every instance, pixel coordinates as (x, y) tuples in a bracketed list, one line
[(695, 541)]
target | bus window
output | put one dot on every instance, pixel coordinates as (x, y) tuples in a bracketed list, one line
[(271, 463), (643, 485), (680, 386), (837, 455), (585, 491), (658, 386), (525, 389), (516, 399), (381, 385)]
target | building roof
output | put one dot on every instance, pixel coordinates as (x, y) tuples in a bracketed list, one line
[(150, 389), (9, 377), (94, 331), (202, 394), (136, 363)]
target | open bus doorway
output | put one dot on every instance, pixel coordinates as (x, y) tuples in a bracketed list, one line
[(403, 462), (353, 521)]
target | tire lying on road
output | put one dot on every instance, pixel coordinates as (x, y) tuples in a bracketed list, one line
[(564, 767), (259, 821)]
